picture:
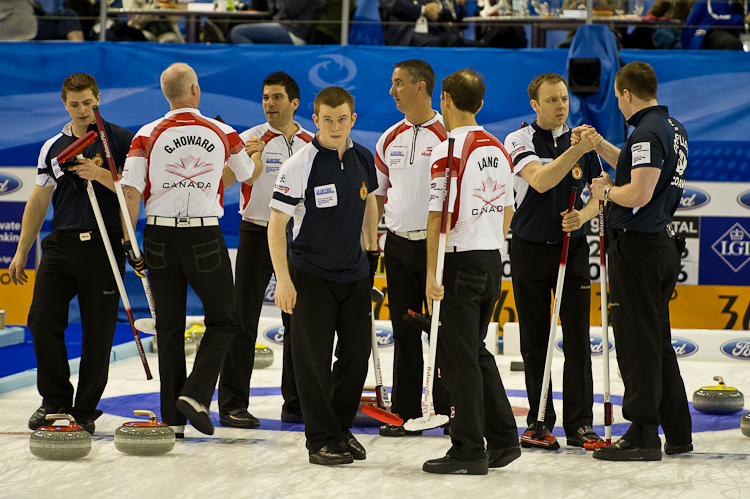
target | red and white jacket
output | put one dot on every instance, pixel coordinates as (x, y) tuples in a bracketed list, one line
[(176, 162), (254, 198), (402, 158), (481, 188)]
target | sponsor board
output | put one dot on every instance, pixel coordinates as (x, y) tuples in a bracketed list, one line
[(693, 197), (692, 344), (383, 332), (9, 183), (597, 344), (743, 199), (14, 299), (704, 307), (383, 335), (274, 334), (725, 251), (687, 227), (683, 347), (738, 348), (16, 183), (270, 295)]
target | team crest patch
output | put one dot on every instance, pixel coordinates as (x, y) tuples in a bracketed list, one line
[(363, 191), (577, 172), (98, 161)]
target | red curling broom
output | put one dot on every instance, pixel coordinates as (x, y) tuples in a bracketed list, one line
[(591, 445)]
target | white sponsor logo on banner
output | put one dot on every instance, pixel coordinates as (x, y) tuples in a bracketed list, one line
[(734, 247)]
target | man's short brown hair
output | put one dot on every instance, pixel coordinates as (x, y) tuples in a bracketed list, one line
[(639, 78), (466, 89), (419, 71), (78, 82), (333, 97), (537, 82)]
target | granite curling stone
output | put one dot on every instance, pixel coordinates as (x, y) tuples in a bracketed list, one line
[(193, 338), (60, 442), (263, 357), (144, 438), (721, 399), (745, 424)]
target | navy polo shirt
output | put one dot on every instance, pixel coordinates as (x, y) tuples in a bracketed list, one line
[(72, 210), (537, 216), (658, 141), (326, 198)]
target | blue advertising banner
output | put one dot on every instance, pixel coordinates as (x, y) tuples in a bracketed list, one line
[(707, 92), (725, 251)]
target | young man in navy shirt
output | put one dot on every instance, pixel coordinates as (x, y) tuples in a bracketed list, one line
[(323, 280), (644, 262), (74, 260)]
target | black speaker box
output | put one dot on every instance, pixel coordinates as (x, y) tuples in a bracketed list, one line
[(584, 76)]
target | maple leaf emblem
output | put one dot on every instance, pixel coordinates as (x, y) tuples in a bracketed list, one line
[(490, 191), (190, 163)]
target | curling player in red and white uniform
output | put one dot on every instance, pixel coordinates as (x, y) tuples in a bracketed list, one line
[(479, 211), (402, 157), (176, 164), (269, 145)]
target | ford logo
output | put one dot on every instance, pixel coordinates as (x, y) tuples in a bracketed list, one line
[(269, 297), (683, 347), (692, 197), (744, 199), (597, 346), (9, 183), (275, 334), (737, 348), (384, 336)]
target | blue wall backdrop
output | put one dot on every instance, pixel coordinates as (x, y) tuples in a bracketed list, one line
[(709, 92)]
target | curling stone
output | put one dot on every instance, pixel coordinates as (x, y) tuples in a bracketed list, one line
[(362, 419), (193, 338), (263, 357), (745, 424), (60, 442), (721, 399), (144, 438)]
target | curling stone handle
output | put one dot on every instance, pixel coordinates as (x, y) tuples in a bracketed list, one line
[(719, 379), (139, 412), (55, 417)]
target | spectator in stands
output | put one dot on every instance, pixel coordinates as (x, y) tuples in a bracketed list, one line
[(62, 24), (663, 37), (297, 33), (420, 23), (27, 20), (706, 26), (17, 20), (573, 5)]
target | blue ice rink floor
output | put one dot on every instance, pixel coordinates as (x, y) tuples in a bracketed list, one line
[(271, 461)]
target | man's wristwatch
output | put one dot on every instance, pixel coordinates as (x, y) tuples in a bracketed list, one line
[(606, 193)]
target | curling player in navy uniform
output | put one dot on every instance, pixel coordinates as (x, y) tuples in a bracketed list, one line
[(546, 166), (74, 259), (479, 212), (323, 278), (269, 145), (644, 262), (175, 163)]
